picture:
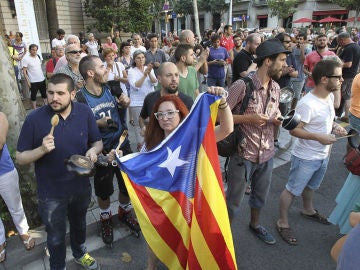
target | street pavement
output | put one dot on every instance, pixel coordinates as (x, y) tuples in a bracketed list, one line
[(129, 252)]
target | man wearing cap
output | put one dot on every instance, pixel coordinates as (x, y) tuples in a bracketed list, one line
[(254, 160)]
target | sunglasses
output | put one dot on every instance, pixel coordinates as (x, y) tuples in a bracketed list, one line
[(168, 115), (74, 52)]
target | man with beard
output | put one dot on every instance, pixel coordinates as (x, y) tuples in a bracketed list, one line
[(310, 154), (315, 56), (244, 61), (61, 194), (168, 78), (105, 109), (253, 161), (185, 57)]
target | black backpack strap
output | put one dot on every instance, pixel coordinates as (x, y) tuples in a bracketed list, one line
[(80, 97), (248, 94)]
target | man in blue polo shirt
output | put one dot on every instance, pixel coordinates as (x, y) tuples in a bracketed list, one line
[(61, 193)]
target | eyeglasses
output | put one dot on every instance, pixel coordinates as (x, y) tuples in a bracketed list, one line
[(339, 77), (74, 52), (168, 115)]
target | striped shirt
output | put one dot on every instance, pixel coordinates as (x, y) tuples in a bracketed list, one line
[(259, 146)]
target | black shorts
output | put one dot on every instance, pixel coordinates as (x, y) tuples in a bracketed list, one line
[(103, 178), (41, 86)]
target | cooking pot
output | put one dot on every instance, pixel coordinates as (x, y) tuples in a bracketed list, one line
[(81, 165), (286, 97), (354, 141), (286, 94), (291, 120)]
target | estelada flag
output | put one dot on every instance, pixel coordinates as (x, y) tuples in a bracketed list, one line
[(177, 193)]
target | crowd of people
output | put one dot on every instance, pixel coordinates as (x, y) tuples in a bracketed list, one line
[(98, 90)]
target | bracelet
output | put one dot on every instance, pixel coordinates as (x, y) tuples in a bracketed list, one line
[(223, 104), (223, 108)]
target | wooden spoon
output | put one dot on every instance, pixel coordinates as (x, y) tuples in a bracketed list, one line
[(121, 140), (54, 123), (347, 136)]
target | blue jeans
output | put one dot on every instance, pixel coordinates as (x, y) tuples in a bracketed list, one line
[(216, 81), (53, 212)]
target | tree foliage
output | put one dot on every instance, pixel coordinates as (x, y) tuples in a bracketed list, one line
[(126, 15), (349, 5), (281, 8), (213, 6), (184, 7)]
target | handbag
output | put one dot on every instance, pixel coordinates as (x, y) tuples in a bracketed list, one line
[(352, 161), (229, 146)]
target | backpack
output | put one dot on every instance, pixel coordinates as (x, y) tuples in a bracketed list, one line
[(228, 146)]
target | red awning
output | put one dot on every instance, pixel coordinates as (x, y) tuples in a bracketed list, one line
[(262, 16), (330, 12)]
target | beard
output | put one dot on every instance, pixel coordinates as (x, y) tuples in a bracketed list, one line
[(171, 90), (321, 46), (60, 108), (100, 79), (273, 73)]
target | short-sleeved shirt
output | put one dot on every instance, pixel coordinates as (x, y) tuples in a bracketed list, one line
[(350, 53), (217, 71), (241, 63), (259, 139), (300, 67), (57, 42), (152, 97), (318, 116), (310, 61), (34, 70), (189, 84), (73, 135), (158, 56), (6, 163), (50, 65)]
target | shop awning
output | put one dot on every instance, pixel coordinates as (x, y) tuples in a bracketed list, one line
[(330, 12)]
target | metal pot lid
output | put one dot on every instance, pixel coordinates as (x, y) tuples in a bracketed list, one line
[(286, 94)]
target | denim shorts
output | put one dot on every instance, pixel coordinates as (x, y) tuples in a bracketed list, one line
[(354, 122), (305, 173)]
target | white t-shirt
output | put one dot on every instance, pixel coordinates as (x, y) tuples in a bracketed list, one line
[(92, 48), (56, 42), (133, 49), (34, 70), (115, 72), (138, 94), (318, 116)]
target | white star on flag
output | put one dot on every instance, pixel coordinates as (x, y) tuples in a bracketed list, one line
[(173, 161)]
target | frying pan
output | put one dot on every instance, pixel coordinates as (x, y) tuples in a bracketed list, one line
[(80, 165)]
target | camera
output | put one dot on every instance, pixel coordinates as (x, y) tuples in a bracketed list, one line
[(111, 124)]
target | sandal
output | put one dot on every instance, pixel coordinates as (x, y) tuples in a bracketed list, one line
[(3, 252), (29, 243), (287, 234), (316, 217)]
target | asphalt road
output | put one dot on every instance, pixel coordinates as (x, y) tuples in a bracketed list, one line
[(314, 239)]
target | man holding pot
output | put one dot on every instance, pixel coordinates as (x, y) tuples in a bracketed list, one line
[(62, 195), (310, 155)]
